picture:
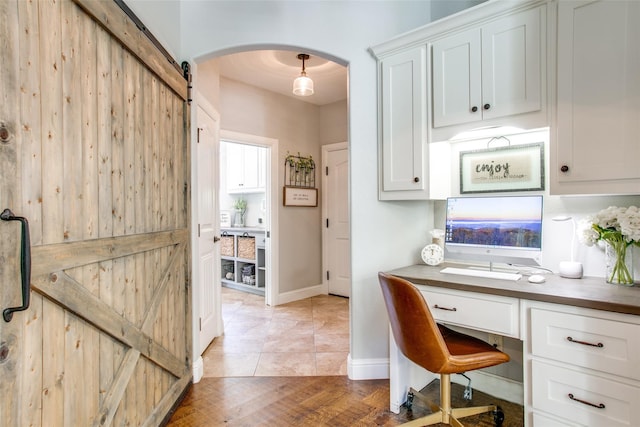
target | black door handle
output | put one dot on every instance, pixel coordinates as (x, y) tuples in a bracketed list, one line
[(25, 264)]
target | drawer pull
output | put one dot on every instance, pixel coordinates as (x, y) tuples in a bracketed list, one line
[(599, 405), (445, 308), (585, 343)]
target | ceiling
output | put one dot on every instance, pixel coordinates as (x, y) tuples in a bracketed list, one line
[(275, 70)]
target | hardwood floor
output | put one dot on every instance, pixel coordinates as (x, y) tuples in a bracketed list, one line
[(332, 401), (285, 366)]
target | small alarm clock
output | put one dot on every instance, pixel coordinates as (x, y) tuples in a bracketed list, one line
[(432, 254)]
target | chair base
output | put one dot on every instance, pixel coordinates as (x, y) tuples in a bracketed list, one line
[(445, 414)]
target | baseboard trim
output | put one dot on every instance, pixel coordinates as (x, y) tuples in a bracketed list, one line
[(198, 369), (300, 294), (367, 369)]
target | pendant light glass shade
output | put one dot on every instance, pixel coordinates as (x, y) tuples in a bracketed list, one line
[(303, 85)]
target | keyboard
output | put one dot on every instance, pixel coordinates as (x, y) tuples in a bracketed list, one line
[(481, 273)]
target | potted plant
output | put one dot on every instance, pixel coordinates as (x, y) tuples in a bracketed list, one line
[(240, 206)]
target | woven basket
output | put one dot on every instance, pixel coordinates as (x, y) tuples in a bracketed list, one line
[(246, 247), (227, 246)]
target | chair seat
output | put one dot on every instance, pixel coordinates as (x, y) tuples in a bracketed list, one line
[(468, 353)]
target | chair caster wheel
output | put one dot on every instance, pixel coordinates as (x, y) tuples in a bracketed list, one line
[(498, 416), (409, 403)]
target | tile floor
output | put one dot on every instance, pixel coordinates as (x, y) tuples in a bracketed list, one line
[(303, 338)]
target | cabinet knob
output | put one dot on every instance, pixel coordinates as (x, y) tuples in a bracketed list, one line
[(564, 168), (474, 109), (487, 106), (416, 179)]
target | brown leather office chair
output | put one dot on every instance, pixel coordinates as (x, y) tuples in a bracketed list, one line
[(436, 348)]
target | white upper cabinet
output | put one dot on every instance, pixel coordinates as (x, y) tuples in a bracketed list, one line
[(403, 172), (245, 168), (482, 67), (489, 72), (596, 138)]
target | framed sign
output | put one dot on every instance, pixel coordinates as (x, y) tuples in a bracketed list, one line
[(225, 219), (296, 196), (512, 168)]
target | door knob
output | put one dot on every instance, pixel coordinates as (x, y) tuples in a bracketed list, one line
[(216, 239)]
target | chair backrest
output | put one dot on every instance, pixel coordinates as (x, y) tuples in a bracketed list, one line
[(415, 331)]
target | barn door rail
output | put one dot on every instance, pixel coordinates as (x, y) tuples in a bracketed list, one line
[(25, 264)]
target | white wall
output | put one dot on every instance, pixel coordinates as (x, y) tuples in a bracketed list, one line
[(382, 237), (385, 235), (296, 126), (334, 123)]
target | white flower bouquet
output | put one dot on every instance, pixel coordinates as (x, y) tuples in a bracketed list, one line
[(619, 228)]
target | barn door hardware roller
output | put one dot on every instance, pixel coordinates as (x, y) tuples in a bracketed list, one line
[(25, 264)]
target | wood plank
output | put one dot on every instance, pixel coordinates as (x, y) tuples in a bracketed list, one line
[(148, 214), (90, 203), (75, 254), (52, 147), (71, 72), (137, 135), (73, 296), (30, 116), (52, 202), (160, 411), (74, 333), (11, 334), (109, 15), (113, 397), (127, 368)]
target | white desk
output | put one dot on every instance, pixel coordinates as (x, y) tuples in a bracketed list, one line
[(581, 338)]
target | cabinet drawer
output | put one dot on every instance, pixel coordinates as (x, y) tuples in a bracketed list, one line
[(583, 398), (600, 344), (490, 313), (540, 420)]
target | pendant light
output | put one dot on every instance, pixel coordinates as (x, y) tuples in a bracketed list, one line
[(303, 85)]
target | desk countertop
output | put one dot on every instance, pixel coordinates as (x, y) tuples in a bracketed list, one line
[(248, 229), (588, 292)]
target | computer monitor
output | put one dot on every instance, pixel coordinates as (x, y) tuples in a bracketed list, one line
[(497, 229)]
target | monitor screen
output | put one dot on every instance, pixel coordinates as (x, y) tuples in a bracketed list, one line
[(505, 229)]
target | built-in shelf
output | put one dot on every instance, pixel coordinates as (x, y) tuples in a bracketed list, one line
[(242, 260)]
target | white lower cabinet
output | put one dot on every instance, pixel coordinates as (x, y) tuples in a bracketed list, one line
[(489, 313), (584, 366), (584, 397), (243, 261)]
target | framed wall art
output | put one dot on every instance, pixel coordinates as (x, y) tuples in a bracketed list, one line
[(225, 219), (511, 168), (298, 196)]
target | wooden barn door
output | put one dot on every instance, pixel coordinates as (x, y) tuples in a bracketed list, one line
[(94, 146)]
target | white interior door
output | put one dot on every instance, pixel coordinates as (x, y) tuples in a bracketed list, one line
[(336, 245), (208, 226)]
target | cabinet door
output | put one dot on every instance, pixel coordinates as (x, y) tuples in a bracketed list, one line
[(404, 122), (245, 168), (512, 65), (251, 169), (235, 168), (597, 145), (457, 93)]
